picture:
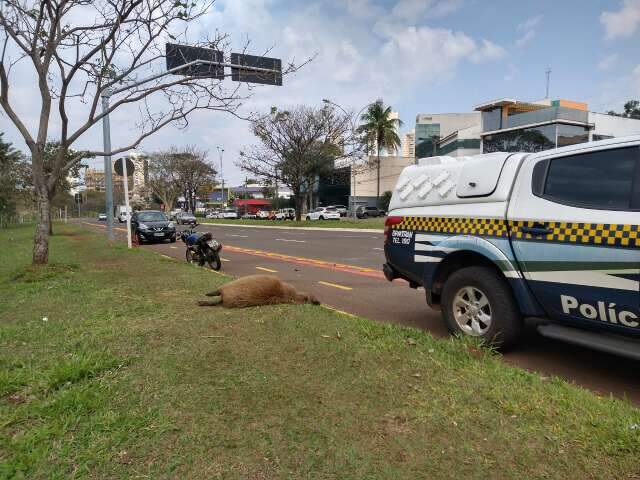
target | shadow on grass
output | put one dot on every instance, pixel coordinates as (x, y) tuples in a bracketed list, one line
[(39, 273)]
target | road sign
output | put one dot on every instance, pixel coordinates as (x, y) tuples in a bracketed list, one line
[(117, 166), (177, 55), (263, 70)]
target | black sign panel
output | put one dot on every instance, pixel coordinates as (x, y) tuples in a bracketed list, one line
[(180, 54), (274, 77), (117, 166)]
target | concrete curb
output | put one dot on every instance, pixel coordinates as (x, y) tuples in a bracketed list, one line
[(277, 227)]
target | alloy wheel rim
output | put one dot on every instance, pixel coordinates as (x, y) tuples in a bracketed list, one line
[(472, 311)]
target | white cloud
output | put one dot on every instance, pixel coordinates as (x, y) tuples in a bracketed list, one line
[(624, 22), (528, 30), (415, 10), (608, 62), (529, 24)]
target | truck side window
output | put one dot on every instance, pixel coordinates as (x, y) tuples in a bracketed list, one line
[(599, 180)]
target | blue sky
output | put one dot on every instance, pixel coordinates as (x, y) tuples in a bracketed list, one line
[(425, 56)]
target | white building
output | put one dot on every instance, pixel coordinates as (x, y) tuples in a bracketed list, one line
[(409, 144)]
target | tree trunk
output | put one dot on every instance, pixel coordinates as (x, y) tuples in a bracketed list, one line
[(299, 201), (378, 175), (41, 238)]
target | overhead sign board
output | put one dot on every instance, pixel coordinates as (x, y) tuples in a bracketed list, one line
[(117, 166), (265, 70), (178, 55)]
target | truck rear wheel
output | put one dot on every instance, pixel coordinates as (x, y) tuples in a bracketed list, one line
[(477, 302)]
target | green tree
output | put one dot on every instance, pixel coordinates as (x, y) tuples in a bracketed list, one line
[(631, 110), (14, 177), (385, 200), (380, 131)]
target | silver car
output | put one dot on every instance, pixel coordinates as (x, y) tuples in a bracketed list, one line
[(185, 218)]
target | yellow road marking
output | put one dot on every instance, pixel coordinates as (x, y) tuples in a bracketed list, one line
[(225, 259), (171, 246), (341, 312), (166, 256), (335, 285), (266, 270)]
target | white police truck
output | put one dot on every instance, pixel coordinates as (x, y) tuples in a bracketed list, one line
[(498, 238)]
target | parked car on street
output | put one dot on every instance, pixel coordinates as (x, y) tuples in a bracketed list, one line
[(174, 212), (102, 217), (122, 217), (249, 216), (186, 218), (366, 212), (229, 213), (284, 214), (552, 236), (323, 213), (342, 210), (213, 214), (152, 226), (263, 214)]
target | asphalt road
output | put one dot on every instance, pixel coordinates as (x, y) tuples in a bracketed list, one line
[(343, 269)]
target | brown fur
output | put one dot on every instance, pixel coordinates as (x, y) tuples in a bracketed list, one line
[(255, 290)]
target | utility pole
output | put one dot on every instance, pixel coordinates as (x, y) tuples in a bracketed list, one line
[(548, 72), (220, 154), (108, 186)]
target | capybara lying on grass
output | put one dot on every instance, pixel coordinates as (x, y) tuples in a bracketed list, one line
[(256, 290)]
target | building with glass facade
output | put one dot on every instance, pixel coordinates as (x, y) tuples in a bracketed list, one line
[(510, 125), (437, 130)]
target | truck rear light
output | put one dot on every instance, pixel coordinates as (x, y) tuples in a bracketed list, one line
[(388, 224)]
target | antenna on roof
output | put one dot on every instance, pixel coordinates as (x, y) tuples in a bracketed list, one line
[(548, 72)]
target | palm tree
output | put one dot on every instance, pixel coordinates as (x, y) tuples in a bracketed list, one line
[(381, 130)]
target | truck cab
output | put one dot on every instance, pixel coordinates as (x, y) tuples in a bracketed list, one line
[(498, 238)]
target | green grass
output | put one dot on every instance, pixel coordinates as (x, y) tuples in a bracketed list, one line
[(107, 370), (375, 223)]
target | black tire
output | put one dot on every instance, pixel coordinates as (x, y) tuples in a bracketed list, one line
[(321, 218), (308, 218), (189, 255), (214, 262), (506, 321), (364, 215), (173, 240)]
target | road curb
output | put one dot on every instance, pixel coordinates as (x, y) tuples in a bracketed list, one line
[(278, 227)]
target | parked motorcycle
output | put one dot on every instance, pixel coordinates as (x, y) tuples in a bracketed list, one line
[(201, 252)]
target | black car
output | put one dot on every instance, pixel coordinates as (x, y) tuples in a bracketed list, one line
[(366, 212), (152, 226)]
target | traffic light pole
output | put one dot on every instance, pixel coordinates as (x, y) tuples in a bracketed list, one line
[(108, 178), (106, 128)]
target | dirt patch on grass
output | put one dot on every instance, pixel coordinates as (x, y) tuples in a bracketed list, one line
[(39, 273)]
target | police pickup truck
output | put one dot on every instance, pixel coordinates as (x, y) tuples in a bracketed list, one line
[(500, 237)]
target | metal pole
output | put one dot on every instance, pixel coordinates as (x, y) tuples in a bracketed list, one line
[(221, 153), (125, 184), (108, 181)]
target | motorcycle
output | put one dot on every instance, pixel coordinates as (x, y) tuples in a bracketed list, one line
[(210, 250)]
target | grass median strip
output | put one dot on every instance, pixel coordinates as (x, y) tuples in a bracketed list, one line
[(109, 370)]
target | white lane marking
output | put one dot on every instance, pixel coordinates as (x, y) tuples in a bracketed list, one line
[(234, 235), (290, 240), (171, 246), (377, 248), (225, 259)]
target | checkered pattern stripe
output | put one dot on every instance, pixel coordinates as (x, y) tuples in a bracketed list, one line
[(613, 235), (485, 227)]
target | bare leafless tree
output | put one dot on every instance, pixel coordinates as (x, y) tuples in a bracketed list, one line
[(299, 144), (79, 50)]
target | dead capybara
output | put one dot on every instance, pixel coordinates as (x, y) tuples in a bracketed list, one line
[(256, 290)]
